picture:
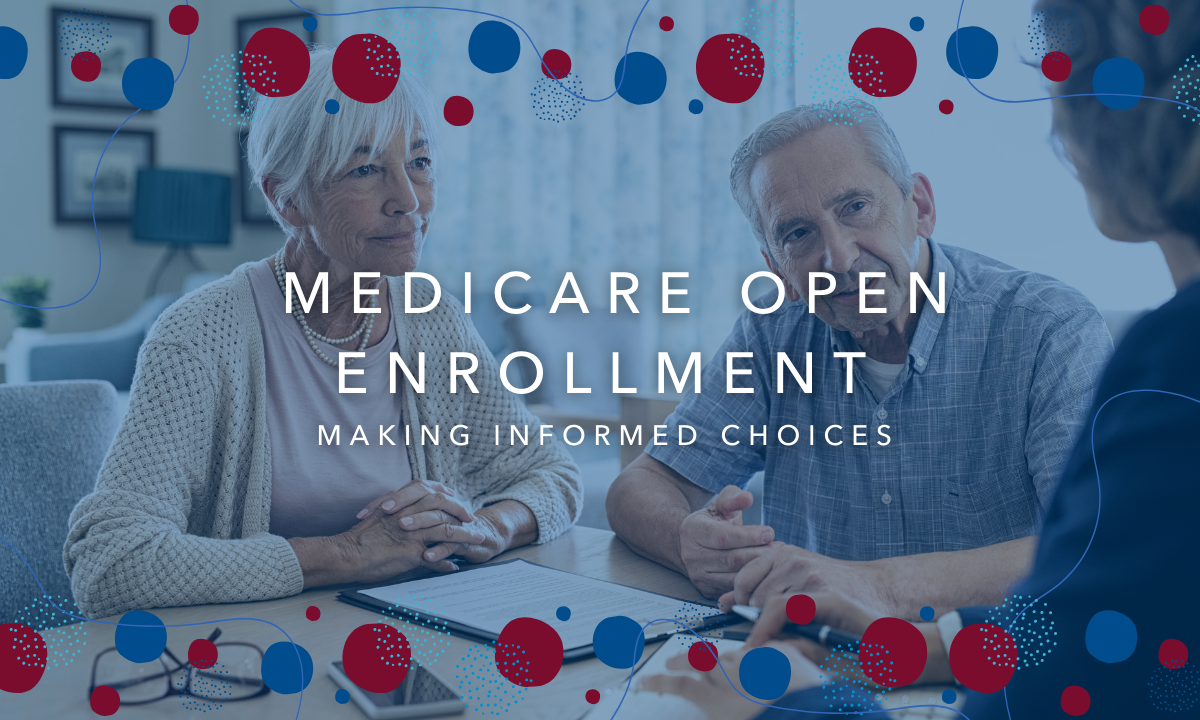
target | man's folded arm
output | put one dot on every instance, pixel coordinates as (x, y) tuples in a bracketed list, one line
[(647, 503)]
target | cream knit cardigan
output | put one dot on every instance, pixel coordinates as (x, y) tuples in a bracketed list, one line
[(182, 507)]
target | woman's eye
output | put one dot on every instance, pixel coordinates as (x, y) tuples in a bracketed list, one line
[(855, 206), (362, 171), (422, 163)]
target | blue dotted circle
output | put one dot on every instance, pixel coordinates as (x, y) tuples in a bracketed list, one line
[(140, 644), (696, 107), (927, 613), (765, 673), (1118, 75), (332, 106), (1110, 636), (978, 50), (494, 47), (917, 24), (949, 696), (281, 672), (341, 696), (148, 83), (563, 613), (644, 79), (618, 642), (14, 51), (310, 23)]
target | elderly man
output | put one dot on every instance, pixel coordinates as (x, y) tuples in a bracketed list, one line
[(980, 402)]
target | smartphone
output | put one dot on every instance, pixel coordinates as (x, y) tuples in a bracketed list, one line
[(421, 695)]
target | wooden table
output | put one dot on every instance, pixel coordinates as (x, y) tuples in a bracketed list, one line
[(62, 693)]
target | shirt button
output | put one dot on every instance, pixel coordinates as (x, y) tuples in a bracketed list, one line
[(881, 414), (887, 499), (920, 362)]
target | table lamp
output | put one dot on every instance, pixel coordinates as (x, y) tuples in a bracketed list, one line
[(182, 208)]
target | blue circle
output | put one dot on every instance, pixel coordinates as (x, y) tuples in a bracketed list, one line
[(140, 644), (1118, 75), (332, 106), (926, 613), (644, 81), (494, 47), (280, 671), (977, 48), (341, 696), (1111, 636), (949, 696), (310, 24), (148, 83), (917, 24), (563, 613), (696, 107), (618, 642), (14, 51), (765, 673)]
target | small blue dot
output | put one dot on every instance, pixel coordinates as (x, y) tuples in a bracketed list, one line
[(949, 696), (696, 107), (917, 24), (310, 24), (332, 106), (563, 613), (341, 695), (926, 613)]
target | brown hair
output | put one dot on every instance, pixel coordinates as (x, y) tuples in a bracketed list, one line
[(1144, 161)]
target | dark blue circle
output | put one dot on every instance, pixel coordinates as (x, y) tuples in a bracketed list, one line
[(696, 107), (1118, 75), (332, 106), (1111, 636), (310, 23), (280, 670), (140, 644), (949, 696), (618, 642), (341, 696), (494, 47), (644, 81), (148, 83), (917, 24), (765, 673), (563, 613), (926, 613), (977, 48), (14, 51)]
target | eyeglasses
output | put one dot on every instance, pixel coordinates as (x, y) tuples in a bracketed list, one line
[(237, 675)]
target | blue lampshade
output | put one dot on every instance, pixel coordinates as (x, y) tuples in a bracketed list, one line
[(182, 207)]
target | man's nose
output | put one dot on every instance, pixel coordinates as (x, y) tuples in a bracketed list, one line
[(841, 251)]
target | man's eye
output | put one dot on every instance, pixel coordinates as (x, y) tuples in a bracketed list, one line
[(362, 171), (795, 234), (855, 206)]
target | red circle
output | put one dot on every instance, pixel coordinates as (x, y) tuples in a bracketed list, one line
[(892, 652), (592, 696), (105, 700), (202, 654), (313, 613), (184, 19), (529, 652), (665, 23), (1075, 700), (883, 62), (376, 657), (275, 62), (366, 67), (458, 111), (1172, 654), (801, 609), (730, 67), (946, 107), (559, 63), (983, 657), (703, 656), (22, 658), (85, 66), (1154, 19), (1056, 66)]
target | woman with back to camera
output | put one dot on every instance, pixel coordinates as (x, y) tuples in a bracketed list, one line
[(221, 484)]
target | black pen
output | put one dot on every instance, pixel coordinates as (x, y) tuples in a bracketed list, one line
[(826, 635)]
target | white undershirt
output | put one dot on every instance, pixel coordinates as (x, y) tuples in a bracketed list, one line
[(878, 375)]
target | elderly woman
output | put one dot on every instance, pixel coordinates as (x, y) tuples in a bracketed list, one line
[(218, 487)]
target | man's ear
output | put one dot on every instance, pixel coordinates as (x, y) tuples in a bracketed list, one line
[(790, 292), (922, 196), (287, 210)]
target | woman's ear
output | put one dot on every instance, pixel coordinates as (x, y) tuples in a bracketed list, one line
[(287, 210)]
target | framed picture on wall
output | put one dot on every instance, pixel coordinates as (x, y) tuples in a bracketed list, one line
[(254, 205), (77, 153), (247, 26), (116, 39)]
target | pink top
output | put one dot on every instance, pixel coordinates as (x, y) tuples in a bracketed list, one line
[(318, 489)]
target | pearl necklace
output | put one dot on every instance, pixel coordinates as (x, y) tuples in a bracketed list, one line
[(364, 327)]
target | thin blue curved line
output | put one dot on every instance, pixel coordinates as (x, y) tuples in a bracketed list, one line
[(513, 23)]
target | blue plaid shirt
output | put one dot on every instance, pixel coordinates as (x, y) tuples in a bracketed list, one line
[(981, 418)]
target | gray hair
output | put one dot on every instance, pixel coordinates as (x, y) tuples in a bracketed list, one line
[(882, 148), (299, 145)]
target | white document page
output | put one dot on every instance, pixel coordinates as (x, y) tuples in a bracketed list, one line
[(487, 598)]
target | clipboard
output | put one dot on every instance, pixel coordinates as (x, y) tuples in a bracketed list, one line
[(408, 614)]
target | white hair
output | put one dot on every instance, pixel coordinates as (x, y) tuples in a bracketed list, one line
[(882, 148), (296, 143)]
